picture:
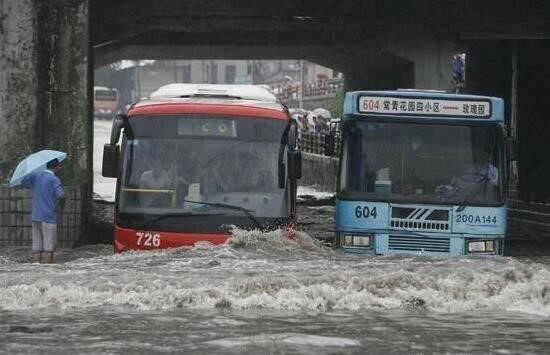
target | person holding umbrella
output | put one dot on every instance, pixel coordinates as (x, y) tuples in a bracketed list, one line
[(47, 195)]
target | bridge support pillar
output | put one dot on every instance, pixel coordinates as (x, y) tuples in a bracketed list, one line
[(533, 126), (45, 91), (518, 71), (379, 72), (416, 59)]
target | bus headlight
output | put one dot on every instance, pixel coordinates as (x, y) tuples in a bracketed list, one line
[(481, 246), (351, 240)]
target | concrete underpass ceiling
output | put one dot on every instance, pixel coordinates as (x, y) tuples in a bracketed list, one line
[(323, 31)]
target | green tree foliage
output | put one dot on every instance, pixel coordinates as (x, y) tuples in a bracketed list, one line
[(338, 107)]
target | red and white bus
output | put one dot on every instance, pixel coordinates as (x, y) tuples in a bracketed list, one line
[(196, 160), (105, 102)]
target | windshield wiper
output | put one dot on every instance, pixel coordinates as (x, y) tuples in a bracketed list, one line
[(247, 212), (182, 214)]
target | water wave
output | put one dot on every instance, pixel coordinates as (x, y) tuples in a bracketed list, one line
[(274, 240), (270, 271), (516, 288)]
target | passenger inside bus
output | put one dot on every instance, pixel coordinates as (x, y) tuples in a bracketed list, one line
[(238, 172), (257, 177), (189, 165), (220, 174)]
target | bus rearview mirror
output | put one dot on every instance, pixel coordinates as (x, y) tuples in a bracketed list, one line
[(110, 161)]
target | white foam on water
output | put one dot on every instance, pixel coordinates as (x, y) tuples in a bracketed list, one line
[(517, 287), (277, 239), (241, 342), (314, 192), (296, 339), (317, 340), (226, 322)]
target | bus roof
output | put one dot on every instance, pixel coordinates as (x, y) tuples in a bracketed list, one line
[(246, 92), (210, 106), (427, 104), (211, 99)]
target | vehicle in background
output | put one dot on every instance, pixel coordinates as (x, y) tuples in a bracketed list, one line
[(196, 160), (106, 102), (422, 173)]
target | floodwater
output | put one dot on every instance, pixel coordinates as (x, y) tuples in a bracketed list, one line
[(264, 294)]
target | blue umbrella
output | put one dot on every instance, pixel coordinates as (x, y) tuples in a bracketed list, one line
[(34, 162)]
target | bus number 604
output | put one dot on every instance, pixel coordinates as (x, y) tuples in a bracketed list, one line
[(148, 239), (371, 105), (365, 212)]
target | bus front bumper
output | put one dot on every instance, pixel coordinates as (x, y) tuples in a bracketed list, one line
[(132, 239), (419, 244)]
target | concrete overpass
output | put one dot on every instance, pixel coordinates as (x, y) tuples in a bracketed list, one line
[(49, 49)]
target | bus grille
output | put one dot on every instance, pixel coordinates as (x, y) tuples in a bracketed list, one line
[(410, 243), (420, 219)]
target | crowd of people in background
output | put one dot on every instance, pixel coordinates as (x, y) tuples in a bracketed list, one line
[(312, 123), (316, 121), (313, 129)]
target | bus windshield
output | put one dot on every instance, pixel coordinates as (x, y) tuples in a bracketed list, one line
[(422, 163), (196, 164)]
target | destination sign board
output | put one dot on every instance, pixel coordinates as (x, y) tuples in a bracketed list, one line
[(210, 128), (420, 106)]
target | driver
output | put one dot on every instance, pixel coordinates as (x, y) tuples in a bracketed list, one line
[(156, 177), (482, 173), (483, 170)]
